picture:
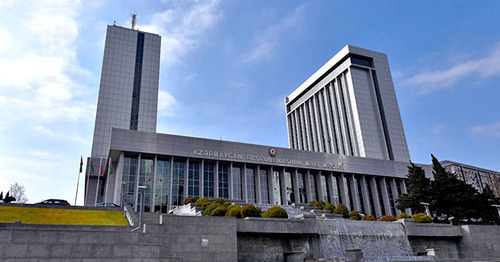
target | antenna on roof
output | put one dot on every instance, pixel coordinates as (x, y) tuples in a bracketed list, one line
[(134, 19)]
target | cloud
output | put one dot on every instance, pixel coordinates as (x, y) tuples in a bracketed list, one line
[(437, 129), (183, 26), (166, 104), (265, 42), (491, 130), (441, 79)]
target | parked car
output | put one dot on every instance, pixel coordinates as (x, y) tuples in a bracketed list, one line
[(55, 202), (102, 204)]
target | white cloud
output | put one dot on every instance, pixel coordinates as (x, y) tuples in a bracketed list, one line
[(437, 129), (183, 26), (441, 79), (166, 104), (491, 130), (265, 41)]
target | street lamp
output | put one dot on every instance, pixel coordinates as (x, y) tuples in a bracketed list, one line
[(141, 190)]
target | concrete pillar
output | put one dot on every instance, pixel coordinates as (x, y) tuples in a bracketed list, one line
[(216, 180), (258, 198), (319, 185), (186, 178), (244, 183), (385, 196), (364, 192), (230, 185), (118, 197), (354, 192), (170, 176), (377, 208), (270, 180), (283, 186), (329, 181), (202, 173), (344, 199), (295, 183), (307, 185), (395, 194)]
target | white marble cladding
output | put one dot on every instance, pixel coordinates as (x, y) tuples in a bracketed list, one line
[(191, 147), (338, 110)]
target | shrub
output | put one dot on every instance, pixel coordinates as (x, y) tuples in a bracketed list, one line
[(250, 211), (226, 204), (403, 215), (235, 211), (205, 205), (219, 212), (387, 218), (319, 204), (220, 201), (208, 210), (276, 211), (189, 200), (232, 206), (201, 201), (354, 215), (341, 209), (369, 218), (330, 207), (422, 218)]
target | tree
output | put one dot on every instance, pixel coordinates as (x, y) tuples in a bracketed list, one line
[(484, 208), (1, 195), (418, 188), (451, 196), (8, 198), (18, 192)]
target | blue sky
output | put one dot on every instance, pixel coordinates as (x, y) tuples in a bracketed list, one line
[(226, 67)]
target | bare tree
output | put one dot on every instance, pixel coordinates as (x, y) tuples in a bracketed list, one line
[(17, 191)]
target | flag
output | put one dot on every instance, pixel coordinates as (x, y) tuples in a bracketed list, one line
[(102, 170), (92, 165), (110, 166), (81, 164)]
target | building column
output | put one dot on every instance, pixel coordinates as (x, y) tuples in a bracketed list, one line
[(385, 196), (270, 179), (395, 194), (186, 175), (202, 172), (258, 198), (170, 176), (230, 186), (118, 196), (366, 199), (244, 183), (353, 191), (283, 186), (344, 198), (319, 185), (295, 183), (329, 182), (153, 185), (307, 185), (377, 208), (216, 180)]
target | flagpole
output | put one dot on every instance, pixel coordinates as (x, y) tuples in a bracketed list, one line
[(107, 183), (77, 185), (98, 176), (87, 181)]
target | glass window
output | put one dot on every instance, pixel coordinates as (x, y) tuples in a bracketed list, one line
[(348, 198), (314, 186), (237, 183), (359, 194), (250, 176), (223, 181), (161, 186), (145, 178), (208, 180), (194, 179), (178, 183), (324, 189), (390, 195), (302, 188), (335, 191), (361, 61), (277, 188), (380, 197), (264, 187), (129, 180)]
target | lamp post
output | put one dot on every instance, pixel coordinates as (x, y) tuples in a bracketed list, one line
[(427, 210), (141, 206)]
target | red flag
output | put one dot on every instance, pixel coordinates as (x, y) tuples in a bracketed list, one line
[(81, 164), (92, 165)]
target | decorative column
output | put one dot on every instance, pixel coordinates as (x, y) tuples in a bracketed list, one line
[(216, 180), (307, 185), (202, 173), (295, 183), (385, 196), (258, 198), (354, 192), (270, 180), (186, 176), (319, 186), (344, 199), (364, 193), (377, 208), (170, 176), (283, 186), (329, 181), (230, 181), (244, 183), (395, 193)]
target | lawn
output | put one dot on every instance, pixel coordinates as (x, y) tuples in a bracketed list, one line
[(59, 216)]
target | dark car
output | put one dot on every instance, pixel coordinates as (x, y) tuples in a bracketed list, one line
[(102, 204), (55, 202)]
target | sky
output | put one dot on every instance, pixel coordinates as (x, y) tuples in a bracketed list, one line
[(226, 67)]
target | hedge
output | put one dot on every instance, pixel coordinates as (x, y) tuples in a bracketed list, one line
[(403, 215), (422, 218), (369, 218), (201, 201), (218, 212), (189, 200), (341, 209), (235, 211), (319, 204), (329, 206), (250, 211), (208, 210), (387, 218), (276, 212), (354, 215)]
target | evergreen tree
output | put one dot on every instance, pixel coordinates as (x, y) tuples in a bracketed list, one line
[(452, 197), (8, 198), (484, 208), (418, 188), (1, 195)]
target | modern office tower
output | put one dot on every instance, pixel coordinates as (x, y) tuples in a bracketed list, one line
[(128, 94), (475, 176), (348, 107)]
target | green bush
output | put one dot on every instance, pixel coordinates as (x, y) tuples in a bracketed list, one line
[(422, 218), (219, 212), (341, 209), (189, 200), (329, 206), (250, 211), (226, 204), (387, 218), (232, 206), (220, 201), (208, 210), (354, 215), (235, 211), (319, 204), (205, 205), (369, 218), (201, 201), (403, 215), (276, 212)]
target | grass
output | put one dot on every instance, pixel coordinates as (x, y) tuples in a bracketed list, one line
[(58, 216)]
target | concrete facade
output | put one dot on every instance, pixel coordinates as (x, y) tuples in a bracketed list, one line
[(348, 107), (478, 177)]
